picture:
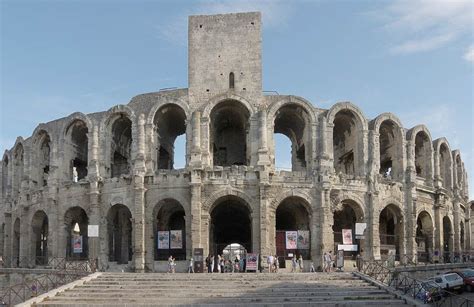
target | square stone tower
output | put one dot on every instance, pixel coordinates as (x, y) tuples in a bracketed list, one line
[(225, 54)]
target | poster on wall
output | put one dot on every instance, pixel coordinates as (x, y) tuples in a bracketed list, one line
[(163, 239), (93, 231), (251, 262), (347, 236), (291, 239), (303, 239), (176, 239), (77, 244)]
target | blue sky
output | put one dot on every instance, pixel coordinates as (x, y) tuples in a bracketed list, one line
[(411, 58)]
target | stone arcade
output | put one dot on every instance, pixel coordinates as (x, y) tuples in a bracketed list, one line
[(115, 169)]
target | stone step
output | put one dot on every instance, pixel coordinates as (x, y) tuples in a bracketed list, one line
[(393, 303), (187, 293), (219, 300)]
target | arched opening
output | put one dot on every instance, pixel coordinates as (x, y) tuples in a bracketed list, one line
[(292, 229), (75, 226), (459, 172), (346, 143), (119, 229), (292, 121), (121, 146), (391, 232), (76, 150), (391, 148), (229, 133), (422, 155), (346, 215), (231, 222), (447, 239), (233, 251), (169, 230), (39, 237), (43, 159), (170, 123), (445, 165), (424, 237), (18, 165), (231, 81), (15, 262), (5, 176)]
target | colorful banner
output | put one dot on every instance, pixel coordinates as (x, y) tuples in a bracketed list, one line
[(163, 239), (251, 263), (176, 239), (77, 244), (347, 236), (303, 239), (291, 239)]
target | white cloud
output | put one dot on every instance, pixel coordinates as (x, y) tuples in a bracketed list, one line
[(425, 44), (469, 55), (424, 25), (274, 13)]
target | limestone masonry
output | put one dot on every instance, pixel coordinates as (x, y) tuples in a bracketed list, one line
[(103, 186)]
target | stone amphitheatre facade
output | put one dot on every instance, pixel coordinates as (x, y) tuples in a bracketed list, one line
[(114, 169)]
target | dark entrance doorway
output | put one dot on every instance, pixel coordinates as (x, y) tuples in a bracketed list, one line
[(231, 222)]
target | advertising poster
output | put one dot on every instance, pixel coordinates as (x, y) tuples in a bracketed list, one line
[(176, 239), (251, 262), (291, 239), (163, 239), (77, 244), (347, 236), (303, 239)]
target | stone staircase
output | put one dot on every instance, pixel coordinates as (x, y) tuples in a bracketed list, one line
[(240, 289)]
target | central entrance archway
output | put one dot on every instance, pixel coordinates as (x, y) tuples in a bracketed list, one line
[(231, 223)]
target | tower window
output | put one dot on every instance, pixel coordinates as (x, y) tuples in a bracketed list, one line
[(231, 80)]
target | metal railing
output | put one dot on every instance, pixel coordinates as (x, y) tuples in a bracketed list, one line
[(376, 270), (63, 271)]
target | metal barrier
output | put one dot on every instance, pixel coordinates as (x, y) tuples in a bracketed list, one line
[(63, 271), (408, 285)]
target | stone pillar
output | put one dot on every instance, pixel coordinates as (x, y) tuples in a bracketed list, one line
[(196, 223), (438, 234), (24, 238), (255, 231), (265, 239), (457, 230), (150, 149), (205, 142), (7, 247), (325, 227), (467, 231), (263, 158), (94, 193), (373, 228), (196, 141), (139, 198)]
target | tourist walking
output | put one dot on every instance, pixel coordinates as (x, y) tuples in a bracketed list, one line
[(171, 264), (222, 264), (311, 267), (208, 264), (276, 264), (300, 263), (331, 264), (235, 267), (293, 264), (270, 263), (191, 265), (218, 263)]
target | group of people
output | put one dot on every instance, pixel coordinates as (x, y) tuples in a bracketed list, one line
[(328, 260), (272, 263), (221, 265), (297, 264)]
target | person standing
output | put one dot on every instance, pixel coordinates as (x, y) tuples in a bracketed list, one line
[(212, 263), (191, 265), (311, 267), (218, 263), (222, 264), (270, 263), (300, 263), (293, 264), (327, 262), (331, 263), (276, 264), (170, 264)]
